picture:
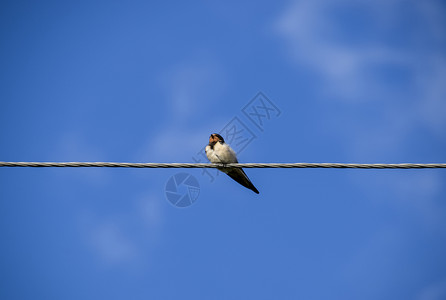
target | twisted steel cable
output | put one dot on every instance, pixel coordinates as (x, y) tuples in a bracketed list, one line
[(240, 165)]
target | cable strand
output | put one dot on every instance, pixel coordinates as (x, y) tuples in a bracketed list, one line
[(208, 165)]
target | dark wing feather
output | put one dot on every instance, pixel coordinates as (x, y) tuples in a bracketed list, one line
[(240, 176)]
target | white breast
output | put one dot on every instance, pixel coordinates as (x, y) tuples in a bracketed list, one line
[(221, 153)]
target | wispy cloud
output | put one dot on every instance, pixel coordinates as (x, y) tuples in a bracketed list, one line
[(72, 146), (126, 239), (434, 291), (112, 245), (150, 210), (374, 255), (417, 192), (394, 64), (405, 76), (314, 36), (173, 144), (189, 88)]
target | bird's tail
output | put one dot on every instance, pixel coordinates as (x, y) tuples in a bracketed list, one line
[(240, 176)]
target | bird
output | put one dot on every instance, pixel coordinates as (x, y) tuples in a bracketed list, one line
[(218, 152)]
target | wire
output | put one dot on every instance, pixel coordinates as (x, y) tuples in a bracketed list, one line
[(206, 165)]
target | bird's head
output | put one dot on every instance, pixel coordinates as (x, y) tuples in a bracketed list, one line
[(215, 137)]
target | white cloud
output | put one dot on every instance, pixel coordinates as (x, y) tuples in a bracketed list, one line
[(376, 254), (151, 211), (351, 69), (74, 147), (359, 70), (173, 144), (316, 36), (435, 291), (432, 103), (415, 192), (112, 245), (126, 239), (309, 30), (419, 192), (189, 88)]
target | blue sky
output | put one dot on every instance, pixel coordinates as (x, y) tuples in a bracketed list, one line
[(140, 81)]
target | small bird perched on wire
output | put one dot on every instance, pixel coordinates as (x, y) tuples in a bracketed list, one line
[(219, 152)]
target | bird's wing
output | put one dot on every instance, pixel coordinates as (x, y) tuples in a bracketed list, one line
[(239, 175)]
